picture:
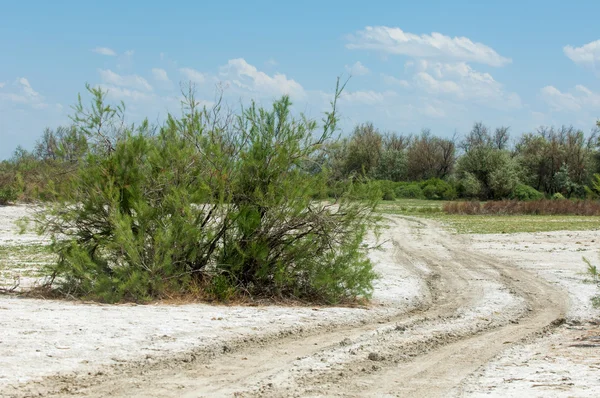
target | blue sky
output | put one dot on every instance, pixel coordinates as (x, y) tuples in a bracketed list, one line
[(429, 64)]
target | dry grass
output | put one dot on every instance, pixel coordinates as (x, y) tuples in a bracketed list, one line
[(537, 207)]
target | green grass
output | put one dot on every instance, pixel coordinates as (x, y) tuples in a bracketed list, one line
[(23, 261), (478, 224)]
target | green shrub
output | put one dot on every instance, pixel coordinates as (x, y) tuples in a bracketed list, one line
[(409, 191), (389, 195), (558, 196), (206, 203), (469, 186), (436, 189), (7, 194), (450, 193), (525, 192)]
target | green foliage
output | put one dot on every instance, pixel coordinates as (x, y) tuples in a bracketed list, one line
[(558, 196), (438, 189), (505, 178), (209, 202), (363, 151), (409, 191), (392, 166), (8, 192), (526, 193), (558, 160), (594, 274), (469, 186), (7, 195)]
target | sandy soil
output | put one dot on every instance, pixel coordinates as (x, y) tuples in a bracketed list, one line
[(453, 315), (565, 362)]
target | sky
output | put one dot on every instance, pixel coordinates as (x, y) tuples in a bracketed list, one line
[(441, 65)]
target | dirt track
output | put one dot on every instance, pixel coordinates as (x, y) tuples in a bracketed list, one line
[(477, 307)]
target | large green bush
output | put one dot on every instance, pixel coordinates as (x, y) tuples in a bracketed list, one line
[(525, 192), (437, 189), (410, 190), (208, 204)]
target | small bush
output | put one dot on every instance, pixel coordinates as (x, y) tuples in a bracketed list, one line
[(525, 192), (389, 195), (437, 189), (409, 191), (558, 196), (7, 195)]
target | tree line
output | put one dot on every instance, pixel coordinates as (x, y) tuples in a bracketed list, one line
[(485, 164)]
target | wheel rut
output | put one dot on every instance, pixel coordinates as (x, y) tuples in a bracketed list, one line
[(478, 306)]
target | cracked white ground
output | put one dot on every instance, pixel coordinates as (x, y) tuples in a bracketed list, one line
[(452, 315)]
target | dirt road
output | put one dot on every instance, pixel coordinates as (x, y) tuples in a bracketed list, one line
[(477, 307)]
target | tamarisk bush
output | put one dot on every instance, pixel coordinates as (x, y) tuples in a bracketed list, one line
[(211, 203)]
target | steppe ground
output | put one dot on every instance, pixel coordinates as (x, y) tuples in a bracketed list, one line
[(465, 306)]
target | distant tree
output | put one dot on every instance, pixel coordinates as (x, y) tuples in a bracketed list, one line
[(501, 138), (363, 150), (430, 157)]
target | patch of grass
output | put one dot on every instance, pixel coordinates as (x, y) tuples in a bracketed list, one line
[(513, 224), (490, 224), (411, 206), (23, 261)]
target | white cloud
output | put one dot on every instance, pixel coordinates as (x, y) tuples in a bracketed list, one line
[(581, 99), (105, 51), (160, 75), (271, 62), (20, 92), (2, 84), (432, 111), (369, 97), (358, 69), (460, 81), (434, 45), (247, 77), (130, 81), (394, 81), (587, 55), (193, 75), (122, 93)]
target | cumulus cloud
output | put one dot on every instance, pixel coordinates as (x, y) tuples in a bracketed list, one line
[(134, 82), (20, 92), (462, 82), (242, 75), (160, 75), (580, 99), (587, 55), (192, 75), (368, 97), (125, 94), (105, 51), (394, 81), (435, 45), (358, 69)]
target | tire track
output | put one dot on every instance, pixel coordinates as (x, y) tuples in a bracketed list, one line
[(426, 352)]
